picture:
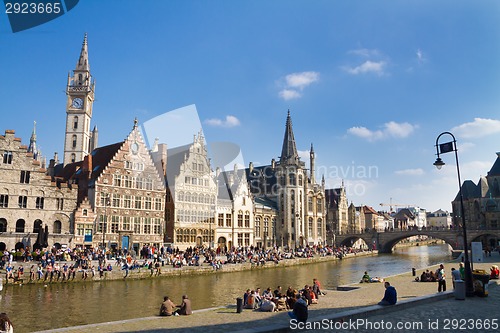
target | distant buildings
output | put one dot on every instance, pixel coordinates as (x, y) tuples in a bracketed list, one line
[(481, 201)]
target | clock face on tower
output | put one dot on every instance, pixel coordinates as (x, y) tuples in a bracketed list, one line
[(77, 103)]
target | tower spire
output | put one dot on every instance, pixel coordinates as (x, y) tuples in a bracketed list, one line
[(312, 157), (32, 147), (289, 153), (83, 61)]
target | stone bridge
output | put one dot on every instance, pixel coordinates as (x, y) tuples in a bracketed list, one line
[(385, 241)]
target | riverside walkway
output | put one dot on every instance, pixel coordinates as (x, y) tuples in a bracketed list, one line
[(418, 302)]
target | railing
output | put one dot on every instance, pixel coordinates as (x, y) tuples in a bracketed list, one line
[(79, 88)]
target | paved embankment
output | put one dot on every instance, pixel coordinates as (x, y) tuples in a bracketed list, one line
[(359, 302)]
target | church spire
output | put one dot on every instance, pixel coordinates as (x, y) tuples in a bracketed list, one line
[(32, 147), (312, 158), (83, 61), (289, 153)]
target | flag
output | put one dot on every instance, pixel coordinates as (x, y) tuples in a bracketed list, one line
[(446, 147)]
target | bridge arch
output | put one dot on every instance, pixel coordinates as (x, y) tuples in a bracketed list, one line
[(388, 245)]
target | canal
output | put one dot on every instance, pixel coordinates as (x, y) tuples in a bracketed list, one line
[(38, 307)]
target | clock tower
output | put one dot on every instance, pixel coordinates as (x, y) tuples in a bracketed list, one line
[(79, 139)]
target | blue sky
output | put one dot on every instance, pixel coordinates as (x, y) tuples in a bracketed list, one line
[(370, 83)]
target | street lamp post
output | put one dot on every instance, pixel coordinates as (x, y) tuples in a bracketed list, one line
[(442, 149)]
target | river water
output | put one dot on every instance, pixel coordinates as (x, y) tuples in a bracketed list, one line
[(35, 307)]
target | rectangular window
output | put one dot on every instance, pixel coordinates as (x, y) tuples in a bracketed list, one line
[(116, 200), (247, 221), (240, 219), (115, 222), (127, 181), (23, 200), (187, 180), (147, 225), (137, 225), (126, 222), (139, 183), (7, 157), (158, 205), (228, 220), (80, 229), (117, 180), (25, 177), (101, 223), (4, 200), (247, 239), (127, 201), (147, 203), (240, 239), (221, 220), (148, 184), (39, 202), (157, 226), (138, 202)]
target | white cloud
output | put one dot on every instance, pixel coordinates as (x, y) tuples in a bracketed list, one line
[(230, 121), (399, 130), (420, 56), (364, 52), (365, 133), (480, 127), (296, 82), (301, 80), (368, 66), (391, 129), (410, 172), (288, 94)]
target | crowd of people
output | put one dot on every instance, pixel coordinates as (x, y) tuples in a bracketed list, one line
[(80, 263), (296, 301)]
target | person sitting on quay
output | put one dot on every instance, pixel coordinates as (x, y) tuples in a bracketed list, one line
[(185, 307), (268, 306), (365, 278), (267, 294), (300, 311), (390, 295), (494, 272), (251, 303), (245, 297), (167, 307)]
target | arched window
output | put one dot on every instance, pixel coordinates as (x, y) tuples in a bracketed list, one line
[(240, 219), (80, 79), (310, 227), (320, 227), (57, 227), (73, 158), (36, 226), (74, 141), (3, 225), (300, 180), (257, 226), (20, 225), (75, 122)]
